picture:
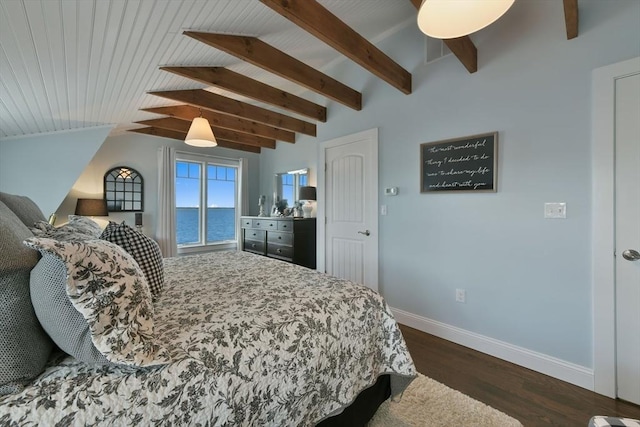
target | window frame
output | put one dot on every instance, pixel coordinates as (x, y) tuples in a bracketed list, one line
[(202, 245)]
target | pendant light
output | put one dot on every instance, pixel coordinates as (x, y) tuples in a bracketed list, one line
[(448, 19), (200, 133)]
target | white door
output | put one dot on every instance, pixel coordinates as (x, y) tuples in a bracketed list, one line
[(627, 236), (612, 329), (351, 207)]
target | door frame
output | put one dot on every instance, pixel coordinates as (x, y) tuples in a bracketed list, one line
[(603, 221), (371, 134)]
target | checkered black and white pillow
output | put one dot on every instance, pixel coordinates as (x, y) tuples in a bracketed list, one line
[(144, 250)]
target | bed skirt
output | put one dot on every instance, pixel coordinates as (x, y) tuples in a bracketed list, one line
[(364, 407)]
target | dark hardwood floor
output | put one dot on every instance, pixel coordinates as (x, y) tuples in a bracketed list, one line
[(532, 398)]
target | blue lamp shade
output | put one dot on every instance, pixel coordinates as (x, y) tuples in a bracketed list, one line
[(91, 207), (307, 193)]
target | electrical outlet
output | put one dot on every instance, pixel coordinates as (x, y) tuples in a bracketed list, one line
[(555, 210), (461, 295)]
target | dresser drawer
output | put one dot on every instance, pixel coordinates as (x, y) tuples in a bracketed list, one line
[(280, 238), (285, 225), (247, 223), (280, 251), (265, 224), (254, 246), (254, 234)]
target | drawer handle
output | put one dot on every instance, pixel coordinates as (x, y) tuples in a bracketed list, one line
[(279, 237), (270, 225), (279, 251), (254, 234), (253, 245)]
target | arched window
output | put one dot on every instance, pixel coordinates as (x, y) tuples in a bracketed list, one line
[(124, 190)]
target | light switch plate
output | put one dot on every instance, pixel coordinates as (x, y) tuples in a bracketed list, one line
[(555, 210)]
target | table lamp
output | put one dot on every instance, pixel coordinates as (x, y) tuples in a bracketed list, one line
[(307, 194)]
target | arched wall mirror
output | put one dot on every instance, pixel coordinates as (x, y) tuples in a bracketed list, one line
[(124, 190), (287, 184)]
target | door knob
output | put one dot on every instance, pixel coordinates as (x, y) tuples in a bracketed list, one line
[(365, 232), (631, 255)]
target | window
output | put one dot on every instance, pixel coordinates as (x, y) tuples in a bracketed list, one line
[(206, 201), (302, 181), (287, 189)]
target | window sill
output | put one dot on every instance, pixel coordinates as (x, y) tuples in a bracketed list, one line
[(213, 247)]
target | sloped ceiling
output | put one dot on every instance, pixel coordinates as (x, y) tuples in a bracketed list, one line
[(72, 64), (67, 64)]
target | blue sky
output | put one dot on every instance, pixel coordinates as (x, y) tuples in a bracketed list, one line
[(221, 186)]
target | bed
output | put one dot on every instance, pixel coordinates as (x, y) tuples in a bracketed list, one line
[(237, 339)]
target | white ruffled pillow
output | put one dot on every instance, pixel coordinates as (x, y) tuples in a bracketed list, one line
[(108, 288)]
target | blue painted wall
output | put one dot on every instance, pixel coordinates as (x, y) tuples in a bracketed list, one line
[(528, 279)]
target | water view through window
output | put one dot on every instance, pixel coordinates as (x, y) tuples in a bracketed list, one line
[(199, 184)]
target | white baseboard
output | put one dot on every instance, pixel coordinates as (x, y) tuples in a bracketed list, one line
[(548, 365)]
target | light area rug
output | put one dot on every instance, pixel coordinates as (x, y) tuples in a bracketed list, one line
[(427, 402)]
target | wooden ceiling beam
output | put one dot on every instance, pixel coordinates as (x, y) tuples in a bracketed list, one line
[(188, 112), (571, 18), (222, 104), (265, 56), (245, 86), (315, 19), (172, 134), (466, 52), (179, 125), (462, 47)]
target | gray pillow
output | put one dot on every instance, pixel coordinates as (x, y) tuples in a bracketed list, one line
[(64, 324), (23, 207), (24, 346)]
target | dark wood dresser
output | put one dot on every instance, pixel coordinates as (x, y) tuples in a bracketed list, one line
[(287, 239)]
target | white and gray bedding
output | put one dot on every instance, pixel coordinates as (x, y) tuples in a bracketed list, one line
[(253, 341)]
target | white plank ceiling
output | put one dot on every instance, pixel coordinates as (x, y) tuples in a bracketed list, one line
[(68, 64)]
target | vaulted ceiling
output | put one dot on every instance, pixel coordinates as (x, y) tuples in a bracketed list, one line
[(151, 66)]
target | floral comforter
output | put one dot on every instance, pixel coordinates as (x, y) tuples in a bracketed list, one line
[(253, 342)]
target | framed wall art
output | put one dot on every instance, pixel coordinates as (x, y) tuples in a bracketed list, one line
[(462, 164)]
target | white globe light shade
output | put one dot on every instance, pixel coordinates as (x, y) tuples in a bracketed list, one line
[(448, 19), (200, 134)]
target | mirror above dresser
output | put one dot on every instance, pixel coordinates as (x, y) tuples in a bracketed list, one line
[(287, 186)]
